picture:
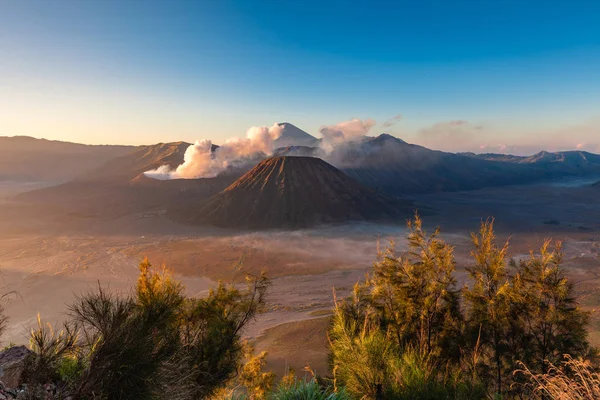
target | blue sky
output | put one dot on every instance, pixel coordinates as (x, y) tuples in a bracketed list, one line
[(516, 73)]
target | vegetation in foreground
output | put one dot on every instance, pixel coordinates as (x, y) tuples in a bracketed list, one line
[(408, 332), (154, 344), (513, 331)]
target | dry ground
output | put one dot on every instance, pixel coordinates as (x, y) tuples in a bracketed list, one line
[(296, 345), (47, 259)]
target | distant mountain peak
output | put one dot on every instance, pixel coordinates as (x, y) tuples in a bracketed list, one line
[(294, 136), (386, 137)]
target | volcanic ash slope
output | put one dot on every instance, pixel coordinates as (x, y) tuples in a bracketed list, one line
[(293, 192)]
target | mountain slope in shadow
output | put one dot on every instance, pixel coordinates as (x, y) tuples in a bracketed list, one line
[(293, 192)]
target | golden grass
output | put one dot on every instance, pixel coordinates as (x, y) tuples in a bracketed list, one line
[(574, 379)]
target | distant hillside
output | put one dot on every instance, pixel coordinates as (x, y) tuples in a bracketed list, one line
[(127, 167), (109, 179), (119, 186), (294, 136), (26, 159), (292, 192), (495, 157), (566, 161), (396, 167)]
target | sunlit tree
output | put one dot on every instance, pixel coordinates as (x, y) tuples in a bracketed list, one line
[(488, 301), (551, 322)]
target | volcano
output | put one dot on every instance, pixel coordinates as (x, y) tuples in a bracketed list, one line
[(291, 135), (291, 193)]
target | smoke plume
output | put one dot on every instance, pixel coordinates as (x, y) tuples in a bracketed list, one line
[(345, 131), (200, 161)]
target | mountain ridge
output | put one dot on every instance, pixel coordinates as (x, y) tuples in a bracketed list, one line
[(28, 159)]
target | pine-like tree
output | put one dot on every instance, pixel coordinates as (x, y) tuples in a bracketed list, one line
[(488, 302), (402, 322), (551, 322), (414, 294)]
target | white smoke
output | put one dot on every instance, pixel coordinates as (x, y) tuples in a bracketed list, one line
[(200, 161), (354, 129), (347, 129)]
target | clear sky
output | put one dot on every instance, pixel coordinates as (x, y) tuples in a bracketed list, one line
[(462, 74)]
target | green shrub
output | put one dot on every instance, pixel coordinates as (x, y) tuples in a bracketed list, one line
[(303, 389), (408, 333), (154, 344), (71, 368), (49, 349)]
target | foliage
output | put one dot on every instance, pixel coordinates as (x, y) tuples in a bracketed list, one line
[(71, 368), (488, 302), (126, 343), (251, 381), (307, 389), (362, 355), (49, 348), (406, 332), (574, 379), (413, 295), (211, 343), (551, 322), (370, 365), (404, 322), (153, 344), (257, 383)]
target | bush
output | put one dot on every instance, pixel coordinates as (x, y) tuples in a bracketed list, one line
[(49, 349), (406, 332), (125, 343), (307, 389), (154, 344), (71, 368), (211, 346), (362, 355)]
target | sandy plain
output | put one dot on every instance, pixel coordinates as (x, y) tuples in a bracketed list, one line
[(47, 260)]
